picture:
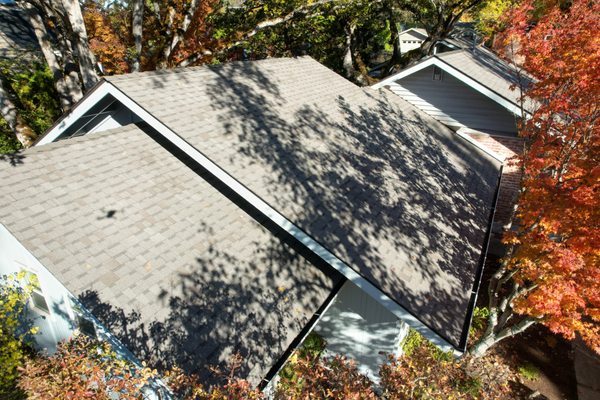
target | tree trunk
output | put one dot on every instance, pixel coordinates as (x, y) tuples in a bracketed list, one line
[(9, 112), (394, 40), (136, 30), (67, 83), (348, 62), (490, 339), (87, 62)]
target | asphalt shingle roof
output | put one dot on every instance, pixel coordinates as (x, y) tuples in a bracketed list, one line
[(491, 71), (166, 261), (383, 186)]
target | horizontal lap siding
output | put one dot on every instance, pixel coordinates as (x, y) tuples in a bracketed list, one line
[(454, 103)]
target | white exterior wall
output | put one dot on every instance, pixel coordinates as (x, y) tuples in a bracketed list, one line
[(453, 103), (56, 325), (357, 326), (120, 117), (409, 42)]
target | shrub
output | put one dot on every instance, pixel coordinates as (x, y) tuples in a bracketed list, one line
[(14, 330), (425, 372), (82, 368), (529, 371)]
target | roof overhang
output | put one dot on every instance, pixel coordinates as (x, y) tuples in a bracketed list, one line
[(105, 88), (510, 105)]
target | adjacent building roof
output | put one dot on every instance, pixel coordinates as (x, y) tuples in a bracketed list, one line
[(481, 69), (418, 33), (159, 253), (384, 187)]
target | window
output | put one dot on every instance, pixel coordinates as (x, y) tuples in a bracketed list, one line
[(86, 326), (38, 300), (437, 73)]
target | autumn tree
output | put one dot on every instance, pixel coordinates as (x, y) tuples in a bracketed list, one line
[(138, 36), (551, 274)]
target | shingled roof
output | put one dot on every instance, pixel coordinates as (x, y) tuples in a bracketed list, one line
[(490, 70), (480, 68), (155, 250), (387, 189)]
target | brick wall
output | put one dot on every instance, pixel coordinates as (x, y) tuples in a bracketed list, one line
[(507, 148)]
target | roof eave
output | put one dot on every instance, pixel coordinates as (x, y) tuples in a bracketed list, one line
[(82, 106), (508, 104)]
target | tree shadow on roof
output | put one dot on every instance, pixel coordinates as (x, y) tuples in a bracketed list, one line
[(223, 304), (13, 159), (388, 190)]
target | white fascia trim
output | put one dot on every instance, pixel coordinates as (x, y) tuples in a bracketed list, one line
[(415, 30), (281, 221), (404, 73), (83, 107), (434, 60)]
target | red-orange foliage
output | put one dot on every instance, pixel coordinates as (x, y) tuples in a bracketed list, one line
[(107, 46), (558, 239), (82, 369), (315, 378), (174, 34)]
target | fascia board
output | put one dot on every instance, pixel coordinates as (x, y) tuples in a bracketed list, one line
[(82, 107), (509, 105), (409, 71)]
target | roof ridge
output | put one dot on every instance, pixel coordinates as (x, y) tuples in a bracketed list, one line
[(184, 70)]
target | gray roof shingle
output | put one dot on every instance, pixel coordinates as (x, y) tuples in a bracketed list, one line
[(384, 187), (167, 262), (491, 71)]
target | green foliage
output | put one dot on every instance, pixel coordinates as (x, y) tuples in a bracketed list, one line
[(529, 371), (34, 87), (412, 341), (35, 96), (479, 321), (311, 349), (313, 345), (320, 32), (8, 140), (13, 332), (488, 16)]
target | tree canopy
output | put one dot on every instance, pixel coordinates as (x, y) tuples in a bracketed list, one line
[(552, 270)]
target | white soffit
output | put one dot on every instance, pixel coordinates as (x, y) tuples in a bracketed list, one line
[(107, 88)]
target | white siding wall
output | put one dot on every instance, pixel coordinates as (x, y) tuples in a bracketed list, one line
[(359, 327), (120, 117), (453, 103), (408, 43), (57, 324)]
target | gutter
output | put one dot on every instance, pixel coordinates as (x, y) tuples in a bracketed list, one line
[(479, 273)]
